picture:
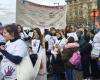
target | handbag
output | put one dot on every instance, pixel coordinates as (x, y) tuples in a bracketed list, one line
[(25, 69), (75, 59), (95, 53)]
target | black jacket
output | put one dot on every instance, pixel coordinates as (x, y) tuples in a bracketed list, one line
[(57, 64)]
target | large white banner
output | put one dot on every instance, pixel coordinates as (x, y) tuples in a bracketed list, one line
[(35, 15)]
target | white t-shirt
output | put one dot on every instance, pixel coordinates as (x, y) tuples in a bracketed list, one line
[(35, 46), (96, 41), (23, 35), (16, 48), (51, 41), (74, 35), (62, 42)]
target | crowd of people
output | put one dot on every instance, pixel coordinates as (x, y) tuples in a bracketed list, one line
[(58, 46)]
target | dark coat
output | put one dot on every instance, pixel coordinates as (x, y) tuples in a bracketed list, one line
[(85, 51), (57, 64), (67, 53)]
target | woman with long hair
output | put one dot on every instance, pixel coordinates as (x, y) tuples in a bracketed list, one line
[(22, 33), (37, 40), (37, 48)]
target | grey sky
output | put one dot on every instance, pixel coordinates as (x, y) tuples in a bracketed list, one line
[(8, 4), (7, 11)]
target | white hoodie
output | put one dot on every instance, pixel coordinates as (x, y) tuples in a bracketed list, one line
[(96, 41)]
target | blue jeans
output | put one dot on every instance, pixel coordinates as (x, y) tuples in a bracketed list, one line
[(69, 74)]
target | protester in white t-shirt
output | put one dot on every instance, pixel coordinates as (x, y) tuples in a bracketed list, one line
[(13, 52), (61, 39), (23, 34), (37, 41), (36, 44), (37, 48), (50, 39)]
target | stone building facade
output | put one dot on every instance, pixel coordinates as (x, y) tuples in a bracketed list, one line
[(78, 11)]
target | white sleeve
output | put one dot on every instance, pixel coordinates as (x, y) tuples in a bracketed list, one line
[(25, 35), (0, 53), (30, 34), (96, 39), (56, 40), (2, 39), (47, 37), (21, 49), (63, 42)]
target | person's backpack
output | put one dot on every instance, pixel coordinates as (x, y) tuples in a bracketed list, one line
[(75, 58)]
